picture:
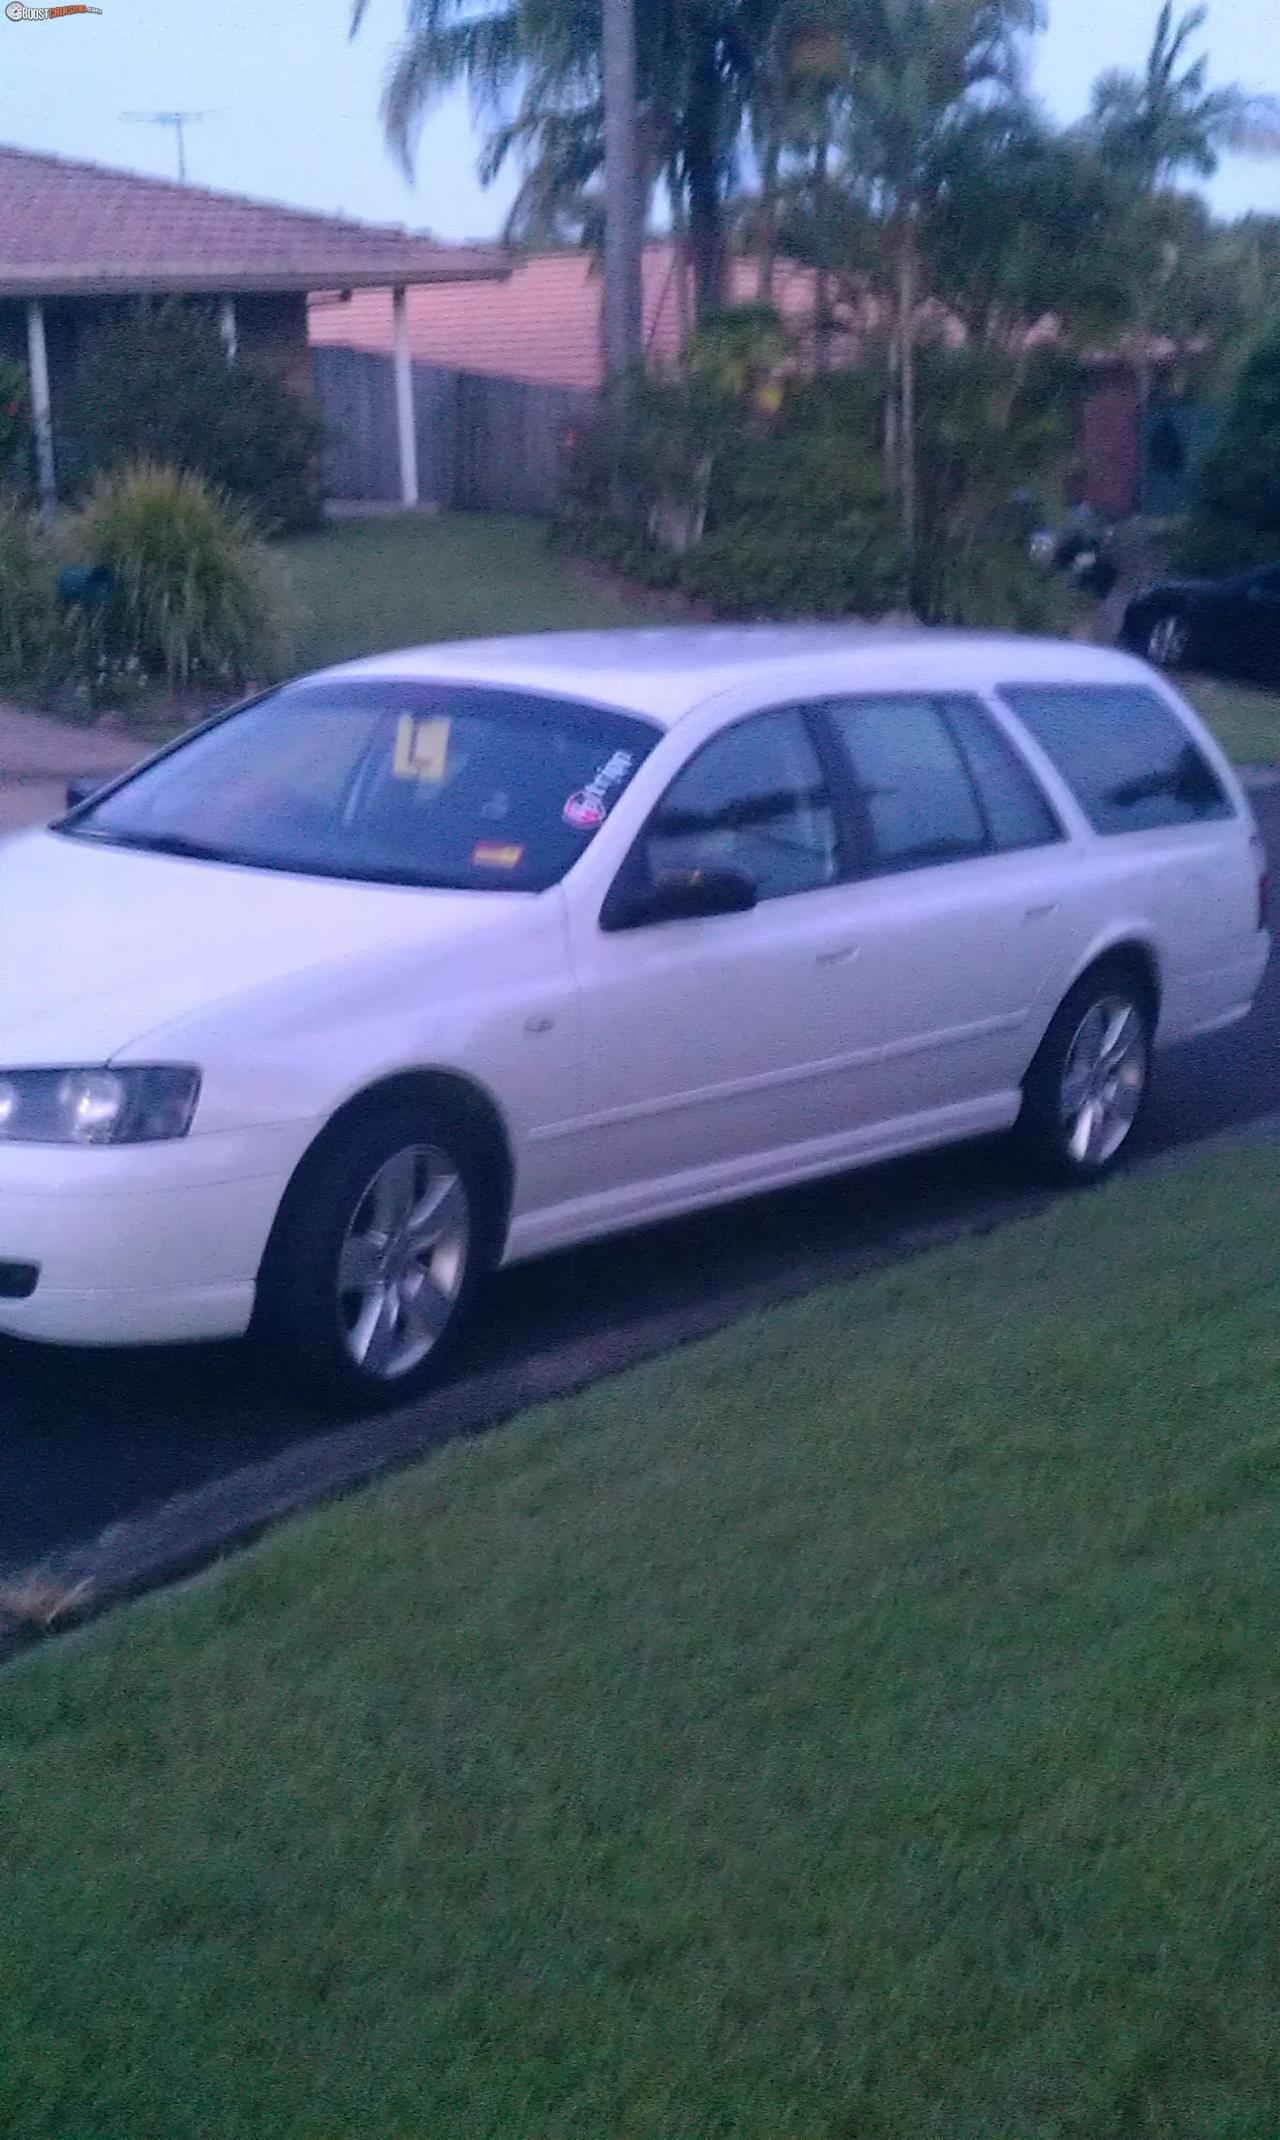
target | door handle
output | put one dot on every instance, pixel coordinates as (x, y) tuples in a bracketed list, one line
[(838, 954)]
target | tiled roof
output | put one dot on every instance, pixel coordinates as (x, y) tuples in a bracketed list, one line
[(543, 324), (78, 227)]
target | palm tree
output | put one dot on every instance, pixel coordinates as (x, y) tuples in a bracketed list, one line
[(1149, 128), (918, 68), (624, 220), (535, 72), (1155, 125)]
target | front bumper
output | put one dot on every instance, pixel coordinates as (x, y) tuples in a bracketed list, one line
[(144, 1244)]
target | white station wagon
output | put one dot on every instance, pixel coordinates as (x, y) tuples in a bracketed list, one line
[(457, 956)]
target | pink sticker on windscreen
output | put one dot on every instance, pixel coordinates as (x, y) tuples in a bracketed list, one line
[(587, 810), (586, 813)]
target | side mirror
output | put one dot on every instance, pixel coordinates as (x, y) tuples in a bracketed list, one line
[(84, 789), (683, 895)]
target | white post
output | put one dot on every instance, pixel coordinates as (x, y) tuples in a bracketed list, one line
[(41, 410), (406, 429), (227, 327)]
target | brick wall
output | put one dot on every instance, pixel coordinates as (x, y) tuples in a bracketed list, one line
[(1109, 446)]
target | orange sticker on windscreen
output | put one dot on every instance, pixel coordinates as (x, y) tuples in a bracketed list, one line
[(422, 749), (491, 855)]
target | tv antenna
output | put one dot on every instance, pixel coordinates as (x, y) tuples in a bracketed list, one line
[(179, 121)]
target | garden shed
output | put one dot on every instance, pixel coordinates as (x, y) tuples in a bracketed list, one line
[(77, 239)]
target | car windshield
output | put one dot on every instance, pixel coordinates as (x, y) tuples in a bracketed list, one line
[(432, 784)]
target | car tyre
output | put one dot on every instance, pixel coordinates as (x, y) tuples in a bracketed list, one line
[(382, 1241), (1168, 641), (1086, 1092)]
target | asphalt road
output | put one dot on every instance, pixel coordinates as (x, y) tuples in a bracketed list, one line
[(90, 1439)]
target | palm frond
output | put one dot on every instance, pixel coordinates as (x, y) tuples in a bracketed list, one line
[(484, 51)]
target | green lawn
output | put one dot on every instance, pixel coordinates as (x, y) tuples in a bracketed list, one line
[(365, 585), (1246, 722), (862, 1726)]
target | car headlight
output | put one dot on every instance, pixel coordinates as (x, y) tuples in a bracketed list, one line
[(147, 1105)]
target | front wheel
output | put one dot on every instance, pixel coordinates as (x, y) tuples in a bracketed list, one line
[(1169, 641), (375, 1259), (1086, 1090)]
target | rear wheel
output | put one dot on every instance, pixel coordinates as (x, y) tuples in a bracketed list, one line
[(1087, 1088), (1169, 641), (375, 1258)]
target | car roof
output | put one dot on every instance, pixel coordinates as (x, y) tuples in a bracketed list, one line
[(666, 673)]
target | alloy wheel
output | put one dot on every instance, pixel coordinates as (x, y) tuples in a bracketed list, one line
[(403, 1262), (1169, 642), (1104, 1079)]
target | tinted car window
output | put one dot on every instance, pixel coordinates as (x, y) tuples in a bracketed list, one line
[(399, 783), (919, 799), (754, 799), (1127, 758), (1016, 812)]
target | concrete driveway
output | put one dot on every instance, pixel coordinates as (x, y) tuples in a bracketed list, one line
[(39, 756)]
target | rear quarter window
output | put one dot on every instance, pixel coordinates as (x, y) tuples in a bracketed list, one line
[(1124, 754)]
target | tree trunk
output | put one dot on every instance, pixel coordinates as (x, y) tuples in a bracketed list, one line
[(1143, 378), (702, 175), (907, 301), (769, 214), (623, 313), (822, 279), (680, 256)]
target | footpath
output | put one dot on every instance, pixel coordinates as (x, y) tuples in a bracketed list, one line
[(38, 756)]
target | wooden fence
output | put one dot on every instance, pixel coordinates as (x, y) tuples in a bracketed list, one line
[(484, 445)]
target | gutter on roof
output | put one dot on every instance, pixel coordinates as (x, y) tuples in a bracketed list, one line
[(28, 281)]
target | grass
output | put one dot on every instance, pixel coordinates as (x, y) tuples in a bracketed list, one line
[(363, 586), (1245, 721), (366, 585), (859, 1727)]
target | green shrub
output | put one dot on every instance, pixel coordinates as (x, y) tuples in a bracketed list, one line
[(752, 511), (798, 520), (990, 425), (15, 422), (197, 598), (779, 502), (1234, 516), (29, 621), (745, 571), (155, 384), (620, 544)]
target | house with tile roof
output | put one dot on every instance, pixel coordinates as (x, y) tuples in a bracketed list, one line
[(542, 324), (541, 327), (77, 239)]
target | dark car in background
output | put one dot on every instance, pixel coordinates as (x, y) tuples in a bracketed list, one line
[(1231, 624)]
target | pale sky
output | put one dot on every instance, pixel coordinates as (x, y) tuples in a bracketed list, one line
[(292, 105)]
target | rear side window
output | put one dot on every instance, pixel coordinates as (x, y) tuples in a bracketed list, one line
[(1016, 811), (1126, 756), (921, 804)]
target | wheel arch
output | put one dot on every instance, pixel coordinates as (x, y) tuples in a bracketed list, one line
[(1130, 953), (464, 1104), (1137, 956)]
